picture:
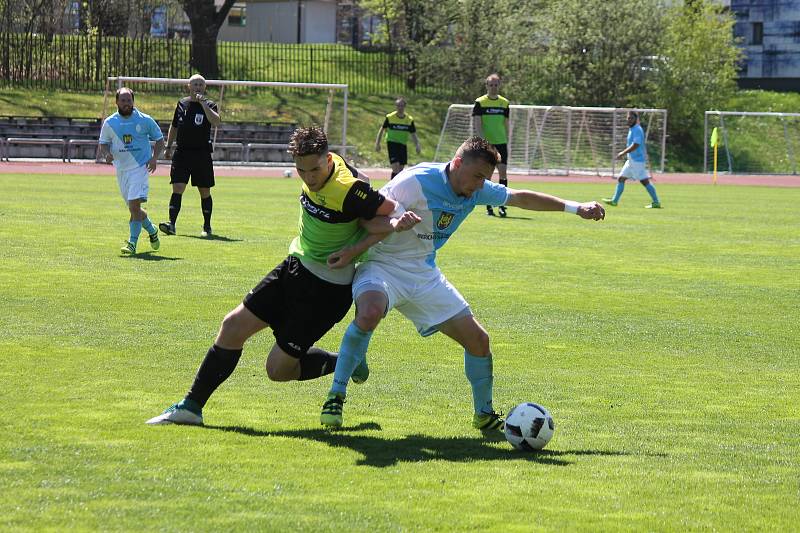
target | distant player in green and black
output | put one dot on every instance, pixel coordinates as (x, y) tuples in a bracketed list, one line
[(398, 126), (191, 124), (303, 297), (490, 121)]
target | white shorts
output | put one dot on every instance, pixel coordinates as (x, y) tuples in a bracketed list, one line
[(425, 298), (134, 184), (635, 170)]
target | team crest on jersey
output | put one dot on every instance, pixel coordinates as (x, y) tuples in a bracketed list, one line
[(127, 138), (198, 119), (138, 128), (319, 199), (445, 219)]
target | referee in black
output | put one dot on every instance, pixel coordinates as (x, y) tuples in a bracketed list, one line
[(191, 124)]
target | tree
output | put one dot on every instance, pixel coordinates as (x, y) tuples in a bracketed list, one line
[(205, 21), (698, 65)]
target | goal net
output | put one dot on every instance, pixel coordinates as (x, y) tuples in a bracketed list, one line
[(257, 116), (562, 140), (752, 142)]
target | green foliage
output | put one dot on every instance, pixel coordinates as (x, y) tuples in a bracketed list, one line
[(697, 63), (601, 48), (668, 354)]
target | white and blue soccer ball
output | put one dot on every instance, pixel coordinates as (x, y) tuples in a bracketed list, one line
[(529, 427)]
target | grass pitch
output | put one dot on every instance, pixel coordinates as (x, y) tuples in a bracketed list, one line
[(665, 343)]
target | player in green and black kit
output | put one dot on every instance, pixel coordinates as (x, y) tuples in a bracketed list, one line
[(398, 126), (303, 297), (490, 121)]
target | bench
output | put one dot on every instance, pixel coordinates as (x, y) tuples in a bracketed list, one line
[(41, 141)]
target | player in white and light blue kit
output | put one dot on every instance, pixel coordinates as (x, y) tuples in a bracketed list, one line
[(400, 271), (125, 139), (635, 167)]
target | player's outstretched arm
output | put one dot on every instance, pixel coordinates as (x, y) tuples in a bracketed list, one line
[(382, 226), (537, 201)]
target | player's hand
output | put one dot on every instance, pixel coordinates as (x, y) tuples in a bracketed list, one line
[(406, 221), (152, 164), (109, 159), (340, 259), (419, 150), (591, 211), (378, 147), (167, 153), (621, 155)]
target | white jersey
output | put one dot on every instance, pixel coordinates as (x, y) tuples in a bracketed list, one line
[(425, 190)]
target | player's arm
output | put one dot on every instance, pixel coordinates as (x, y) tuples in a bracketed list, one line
[(105, 153), (211, 114), (171, 134), (380, 135), (157, 150), (476, 120), (416, 143), (537, 201), (628, 150), (379, 228)]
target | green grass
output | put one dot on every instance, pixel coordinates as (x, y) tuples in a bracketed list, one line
[(665, 343)]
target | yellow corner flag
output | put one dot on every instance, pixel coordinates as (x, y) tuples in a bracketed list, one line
[(715, 144)]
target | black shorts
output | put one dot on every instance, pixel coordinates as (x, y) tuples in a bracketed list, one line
[(299, 307), (503, 150), (194, 163), (398, 152)]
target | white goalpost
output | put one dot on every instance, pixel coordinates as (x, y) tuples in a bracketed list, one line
[(751, 142), (562, 139), (326, 110)]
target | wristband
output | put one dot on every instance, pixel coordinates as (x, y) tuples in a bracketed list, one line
[(571, 207)]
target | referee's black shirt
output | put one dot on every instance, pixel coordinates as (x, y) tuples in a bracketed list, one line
[(194, 129)]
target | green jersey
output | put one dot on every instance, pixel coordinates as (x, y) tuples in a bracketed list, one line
[(329, 219), (398, 129), (493, 113)]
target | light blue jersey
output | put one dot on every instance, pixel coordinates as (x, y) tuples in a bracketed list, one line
[(129, 138), (425, 190), (636, 135)]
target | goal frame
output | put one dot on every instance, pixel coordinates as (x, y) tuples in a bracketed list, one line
[(341, 148), (790, 155), (569, 110)]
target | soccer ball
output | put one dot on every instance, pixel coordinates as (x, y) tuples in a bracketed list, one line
[(287, 173), (529, 427)]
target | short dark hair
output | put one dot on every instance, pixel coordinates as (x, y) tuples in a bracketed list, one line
[(124, 90), (635, 114), (307, 141), (478, 149)]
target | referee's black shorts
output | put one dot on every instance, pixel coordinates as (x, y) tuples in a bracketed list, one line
[(196, 164), (398, 152), (502, 149), (299, 307)]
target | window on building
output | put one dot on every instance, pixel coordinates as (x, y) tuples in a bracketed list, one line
[(758, 33), (237, 16)]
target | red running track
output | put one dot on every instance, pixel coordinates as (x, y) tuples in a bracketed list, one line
[(83, 168)]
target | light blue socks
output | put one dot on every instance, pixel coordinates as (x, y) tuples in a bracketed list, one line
[(618, 192), (148, 226), (136, 229), (652, 190), (351, 352), (479, 374)]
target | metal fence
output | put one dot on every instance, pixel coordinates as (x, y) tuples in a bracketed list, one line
[(83, 62)]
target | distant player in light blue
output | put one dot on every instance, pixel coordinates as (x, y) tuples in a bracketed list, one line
[(125, 140), (635, 167), (400, 271)]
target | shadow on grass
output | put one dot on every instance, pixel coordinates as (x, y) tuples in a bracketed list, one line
[(212, 237), (380, 452), (148, 256)]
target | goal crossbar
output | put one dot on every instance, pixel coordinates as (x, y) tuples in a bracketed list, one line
[(120, 81)]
